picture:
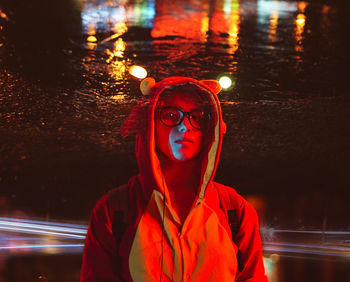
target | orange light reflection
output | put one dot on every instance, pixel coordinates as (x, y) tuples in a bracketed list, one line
[(300, 25), (116, 60), (234, 27), (273, 26), (302, 6), (118, 98), (226, 19), (325, 9), (189, 26), (299, 29), (3, 15), (91, 39)]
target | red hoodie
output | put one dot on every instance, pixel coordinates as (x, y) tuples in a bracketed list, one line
[(137, 236)]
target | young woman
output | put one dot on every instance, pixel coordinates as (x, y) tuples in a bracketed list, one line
[(172, 222)]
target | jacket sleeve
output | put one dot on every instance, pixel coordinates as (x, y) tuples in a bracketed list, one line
[(251, 266), (100, 259)]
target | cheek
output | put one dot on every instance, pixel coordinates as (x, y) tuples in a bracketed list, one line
[(162, 137), (200, 143)]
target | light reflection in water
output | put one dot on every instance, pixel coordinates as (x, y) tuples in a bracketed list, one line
[(108, 13), (234, 26), (204, 25), (272, 13), (326, 21), (273, 26), (91, 40), (118, 98), (226, 20), (3, 15), (116, 61), (299, 26), (302, 6), (266, 7), (189, 24), (111, 20)]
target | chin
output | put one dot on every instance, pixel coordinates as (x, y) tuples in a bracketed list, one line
[(183, 157)]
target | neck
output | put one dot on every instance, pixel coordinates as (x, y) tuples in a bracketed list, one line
[(181, 175), (182, 180)]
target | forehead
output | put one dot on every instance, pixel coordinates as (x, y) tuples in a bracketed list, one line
[(182, 99)]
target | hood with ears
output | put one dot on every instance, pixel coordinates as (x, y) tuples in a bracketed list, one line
[(141, 122)]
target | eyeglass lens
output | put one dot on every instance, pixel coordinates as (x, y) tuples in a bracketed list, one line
[(172, 116)]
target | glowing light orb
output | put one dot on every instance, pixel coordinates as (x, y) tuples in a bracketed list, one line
[(92, 38), (225, 82), (138, 72)]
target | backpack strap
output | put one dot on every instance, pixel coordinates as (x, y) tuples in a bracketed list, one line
[(231, 208), (118, 204)]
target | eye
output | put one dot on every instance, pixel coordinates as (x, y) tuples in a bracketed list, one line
[(170, 115), (199, 119), (198, 115)]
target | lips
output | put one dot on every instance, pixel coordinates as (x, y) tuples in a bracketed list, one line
[(183, 140)]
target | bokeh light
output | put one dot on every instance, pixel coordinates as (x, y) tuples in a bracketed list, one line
[(138, 72), (225, 82)]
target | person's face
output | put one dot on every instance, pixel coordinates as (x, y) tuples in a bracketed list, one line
[(182, 142)]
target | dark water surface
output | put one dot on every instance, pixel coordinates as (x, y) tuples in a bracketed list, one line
[(65, 89)]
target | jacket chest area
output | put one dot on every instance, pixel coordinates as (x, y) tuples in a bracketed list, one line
[(199, 249)]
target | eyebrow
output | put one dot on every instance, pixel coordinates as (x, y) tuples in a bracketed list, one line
[(201, 108)]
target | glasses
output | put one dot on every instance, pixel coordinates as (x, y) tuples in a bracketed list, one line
[(172, 116)]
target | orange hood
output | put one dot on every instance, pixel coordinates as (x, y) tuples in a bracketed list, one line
[(141, 122)]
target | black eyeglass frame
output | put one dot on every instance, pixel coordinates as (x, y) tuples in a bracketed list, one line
[(183, 115)]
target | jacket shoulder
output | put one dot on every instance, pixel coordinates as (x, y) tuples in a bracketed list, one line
[(229, 196), (230, 199), (244, 225), (117, 199)]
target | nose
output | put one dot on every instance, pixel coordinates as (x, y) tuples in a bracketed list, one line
[(184, 126)]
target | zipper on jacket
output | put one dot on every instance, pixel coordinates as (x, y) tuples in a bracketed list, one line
[(179, 234)]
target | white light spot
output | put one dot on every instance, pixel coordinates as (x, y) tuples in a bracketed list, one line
[(138, 72), (225, 82)]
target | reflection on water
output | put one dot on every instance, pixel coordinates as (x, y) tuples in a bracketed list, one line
[(116, 61), (191, 22), (299, 28), (106, 15), (273, 26), (224, 25), (263, 38), (187, 38)]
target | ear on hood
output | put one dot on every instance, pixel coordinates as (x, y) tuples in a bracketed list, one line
[(146, 85), (213, 85)]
